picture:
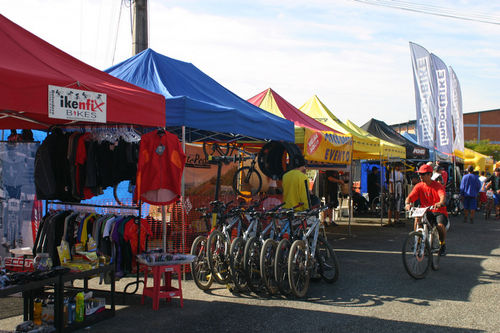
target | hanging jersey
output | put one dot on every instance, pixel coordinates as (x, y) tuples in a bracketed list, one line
[(160, 167)]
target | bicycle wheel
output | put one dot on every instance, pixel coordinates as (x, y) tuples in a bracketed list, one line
[(217, 250), (247, 181), (281, 266), (200, 271), (328, 264), (416, 258), (216, 149), (298, 273), (375, 206), (252, 264), (267, 257), (236, 264)]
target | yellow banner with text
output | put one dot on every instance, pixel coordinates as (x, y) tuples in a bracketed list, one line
[(327, 147)]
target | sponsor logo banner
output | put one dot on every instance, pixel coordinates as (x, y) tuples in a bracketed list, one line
[(423, 95), (441, 86), (456, 111), (327, 147), (79, 105)]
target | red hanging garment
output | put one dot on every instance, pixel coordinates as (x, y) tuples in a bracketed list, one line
[(160, 167)]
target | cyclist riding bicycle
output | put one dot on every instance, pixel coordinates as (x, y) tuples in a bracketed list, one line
[(431, 193)]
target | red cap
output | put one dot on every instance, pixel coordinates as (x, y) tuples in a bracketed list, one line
[(425, 169)]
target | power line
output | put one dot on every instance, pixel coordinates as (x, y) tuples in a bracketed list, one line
[(434, 10)]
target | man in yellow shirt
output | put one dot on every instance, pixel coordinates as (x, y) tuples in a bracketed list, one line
[(295, 186)]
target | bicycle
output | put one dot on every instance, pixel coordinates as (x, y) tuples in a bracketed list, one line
[(311, 255), (200, 269), (421, 247), (490, 204), (247, 181), (219, 244), (456, 204), (291, 231), (237, 249), (253, 250), (217, 149)]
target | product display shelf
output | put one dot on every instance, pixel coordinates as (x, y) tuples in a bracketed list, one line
[(31, 289), (85, 275)]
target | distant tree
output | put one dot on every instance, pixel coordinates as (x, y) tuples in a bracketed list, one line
[(485, 147)]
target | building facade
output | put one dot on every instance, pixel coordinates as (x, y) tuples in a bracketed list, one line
[(480, 125)]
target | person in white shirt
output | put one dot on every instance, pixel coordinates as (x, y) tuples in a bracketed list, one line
[(482, 192)]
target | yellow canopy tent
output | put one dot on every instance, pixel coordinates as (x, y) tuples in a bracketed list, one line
[(320, 142), (363, 147)]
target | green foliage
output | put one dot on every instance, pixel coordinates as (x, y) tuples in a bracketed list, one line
[(485, 147)]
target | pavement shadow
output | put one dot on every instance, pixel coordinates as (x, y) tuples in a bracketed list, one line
[(372, 271), (235, 317)]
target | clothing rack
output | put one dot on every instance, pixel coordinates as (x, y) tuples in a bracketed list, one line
[(137, 207)]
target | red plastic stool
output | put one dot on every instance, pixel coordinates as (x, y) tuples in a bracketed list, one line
[(158, 290)]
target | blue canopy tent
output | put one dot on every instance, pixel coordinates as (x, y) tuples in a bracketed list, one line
[(196, 101)]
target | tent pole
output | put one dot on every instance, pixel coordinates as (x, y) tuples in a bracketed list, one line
[(164, 227), (381, 193), (350, 201), (183, 191)]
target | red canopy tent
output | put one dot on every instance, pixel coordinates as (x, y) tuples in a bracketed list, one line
[(28, 65), (270, 101)]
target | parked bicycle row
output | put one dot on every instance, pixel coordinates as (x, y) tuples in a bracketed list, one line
[(278, 250)]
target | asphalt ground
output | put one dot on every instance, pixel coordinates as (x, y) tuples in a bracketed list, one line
[(373, 294)]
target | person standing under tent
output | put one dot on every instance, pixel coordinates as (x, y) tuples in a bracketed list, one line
[(373, 183), (295, 191), (396, 179), (332, 189), (437, 176), (469, 189)]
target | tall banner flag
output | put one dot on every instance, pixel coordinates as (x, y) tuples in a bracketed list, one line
[(456, 111), (422, 78), (441, 92)]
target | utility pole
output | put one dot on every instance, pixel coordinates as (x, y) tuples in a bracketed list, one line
[(140, 26)]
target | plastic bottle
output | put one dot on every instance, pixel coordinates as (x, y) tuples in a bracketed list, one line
[(66, 312), (37, 312), (71, 312), (80, 307)]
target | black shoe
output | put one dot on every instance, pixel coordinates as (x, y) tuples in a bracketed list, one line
[(442, 250), (333, 224)]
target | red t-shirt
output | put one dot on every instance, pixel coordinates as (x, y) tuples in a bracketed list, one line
[(444, 174), (428, 195)]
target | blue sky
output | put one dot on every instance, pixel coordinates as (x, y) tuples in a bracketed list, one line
[(353, 55)]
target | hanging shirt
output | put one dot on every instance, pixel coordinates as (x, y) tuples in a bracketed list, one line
[(160, 167)]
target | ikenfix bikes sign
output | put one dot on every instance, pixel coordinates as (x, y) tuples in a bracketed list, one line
[(74, 104)]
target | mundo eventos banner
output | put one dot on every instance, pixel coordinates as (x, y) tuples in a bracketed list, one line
[(456, 111), (422, 77), (441, 92)]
